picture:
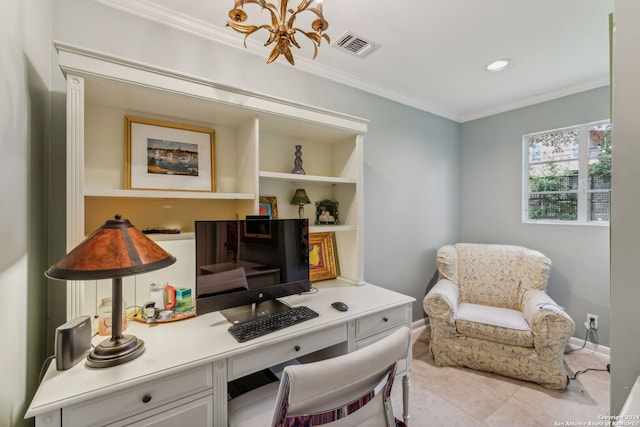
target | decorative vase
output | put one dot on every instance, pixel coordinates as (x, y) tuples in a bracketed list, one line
[(298, 161)]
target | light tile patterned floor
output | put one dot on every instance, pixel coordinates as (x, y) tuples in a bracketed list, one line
[(460, 397)]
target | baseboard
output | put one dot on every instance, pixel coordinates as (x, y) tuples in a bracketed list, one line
[(577, 343), (419, 324), (574, 342)]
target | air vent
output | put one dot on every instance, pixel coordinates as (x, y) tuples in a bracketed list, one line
[(354, 44)]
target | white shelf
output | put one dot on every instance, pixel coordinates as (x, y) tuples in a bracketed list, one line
[(155, 194), (312, 229), (159, 237), (313, 179), (330, 228)]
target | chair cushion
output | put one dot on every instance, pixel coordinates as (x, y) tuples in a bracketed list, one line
[(490, 274), (497, 324)]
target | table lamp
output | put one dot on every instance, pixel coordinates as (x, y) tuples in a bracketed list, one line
[(115, 250), (300, 198)]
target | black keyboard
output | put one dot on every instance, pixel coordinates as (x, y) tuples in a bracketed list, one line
[(270, 323)]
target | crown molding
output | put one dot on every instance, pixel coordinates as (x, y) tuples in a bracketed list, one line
[(536, 99), (151, 11), (169, 17)]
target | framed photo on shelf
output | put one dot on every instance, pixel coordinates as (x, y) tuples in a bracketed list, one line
[(268, 205), (168, 156), (323, 264), (327, 212)]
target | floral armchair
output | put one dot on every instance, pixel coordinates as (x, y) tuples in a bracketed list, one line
[(489, 311)]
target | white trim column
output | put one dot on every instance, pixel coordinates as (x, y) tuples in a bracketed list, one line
[(75, 185)]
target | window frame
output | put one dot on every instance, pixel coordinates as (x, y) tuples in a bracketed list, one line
[(583, 190)]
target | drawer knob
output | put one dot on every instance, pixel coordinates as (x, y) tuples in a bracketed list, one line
[(297, 348), (386, 319), (146, 398)]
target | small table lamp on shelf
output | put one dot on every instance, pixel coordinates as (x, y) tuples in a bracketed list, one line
[(115, 250), (300, 198)]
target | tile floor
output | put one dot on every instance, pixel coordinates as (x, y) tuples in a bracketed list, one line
[(460, 397)]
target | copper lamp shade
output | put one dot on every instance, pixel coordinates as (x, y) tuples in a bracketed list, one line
[(115, 250)]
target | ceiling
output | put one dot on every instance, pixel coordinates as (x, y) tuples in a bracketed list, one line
[(432, 53)]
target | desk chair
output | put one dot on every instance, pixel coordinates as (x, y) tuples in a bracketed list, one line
[(348, 390)]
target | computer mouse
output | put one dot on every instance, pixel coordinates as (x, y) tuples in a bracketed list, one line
[(340, 306)]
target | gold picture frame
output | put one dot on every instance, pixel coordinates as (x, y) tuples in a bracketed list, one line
[(323, 263), (268, 205), (169, 156)]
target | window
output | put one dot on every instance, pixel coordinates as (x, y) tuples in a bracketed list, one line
[(567, 175)]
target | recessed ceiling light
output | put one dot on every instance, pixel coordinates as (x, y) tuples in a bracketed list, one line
[(498, 65)]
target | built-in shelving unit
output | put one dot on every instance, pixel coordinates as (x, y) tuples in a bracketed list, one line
[(255, 139)]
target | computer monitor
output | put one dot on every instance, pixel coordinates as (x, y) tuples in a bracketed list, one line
[(243, 266)]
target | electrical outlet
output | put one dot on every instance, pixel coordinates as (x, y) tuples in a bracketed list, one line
[(592, 321)]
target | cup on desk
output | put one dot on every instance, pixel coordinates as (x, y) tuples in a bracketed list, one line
[(156, 294), (164, 295)]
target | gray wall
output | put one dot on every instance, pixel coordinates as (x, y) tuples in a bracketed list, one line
[(492, 203), (25, 46), (411, 157), (625, 231)]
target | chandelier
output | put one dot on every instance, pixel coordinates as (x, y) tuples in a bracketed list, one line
[(282, 30)]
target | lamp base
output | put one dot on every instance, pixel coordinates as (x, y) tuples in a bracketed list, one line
[(115, 351)]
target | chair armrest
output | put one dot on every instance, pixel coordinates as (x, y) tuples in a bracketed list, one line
[(441, 302), (551, 325)]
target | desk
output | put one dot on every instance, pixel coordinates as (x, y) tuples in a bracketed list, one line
[(182, 376)]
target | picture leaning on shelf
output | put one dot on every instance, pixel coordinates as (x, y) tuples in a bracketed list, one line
[(268, 205), (323, 257)]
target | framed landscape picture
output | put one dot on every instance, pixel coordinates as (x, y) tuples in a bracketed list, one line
[(323, 263), (168, 156)]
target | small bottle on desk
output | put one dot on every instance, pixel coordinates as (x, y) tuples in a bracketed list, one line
[(105, 319)]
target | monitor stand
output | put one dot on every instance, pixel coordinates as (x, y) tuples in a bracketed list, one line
[(246, 313)]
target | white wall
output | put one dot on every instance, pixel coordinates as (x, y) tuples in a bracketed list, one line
[(24, 72), (625, 231), (492, 203)]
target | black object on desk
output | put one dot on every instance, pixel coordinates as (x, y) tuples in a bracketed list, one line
[(340, 306), (270, 323), (161, 230)]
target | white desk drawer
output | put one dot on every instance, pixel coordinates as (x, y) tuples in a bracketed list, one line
[(380, 321), (126, 403), (281, 351), (191, 411)]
